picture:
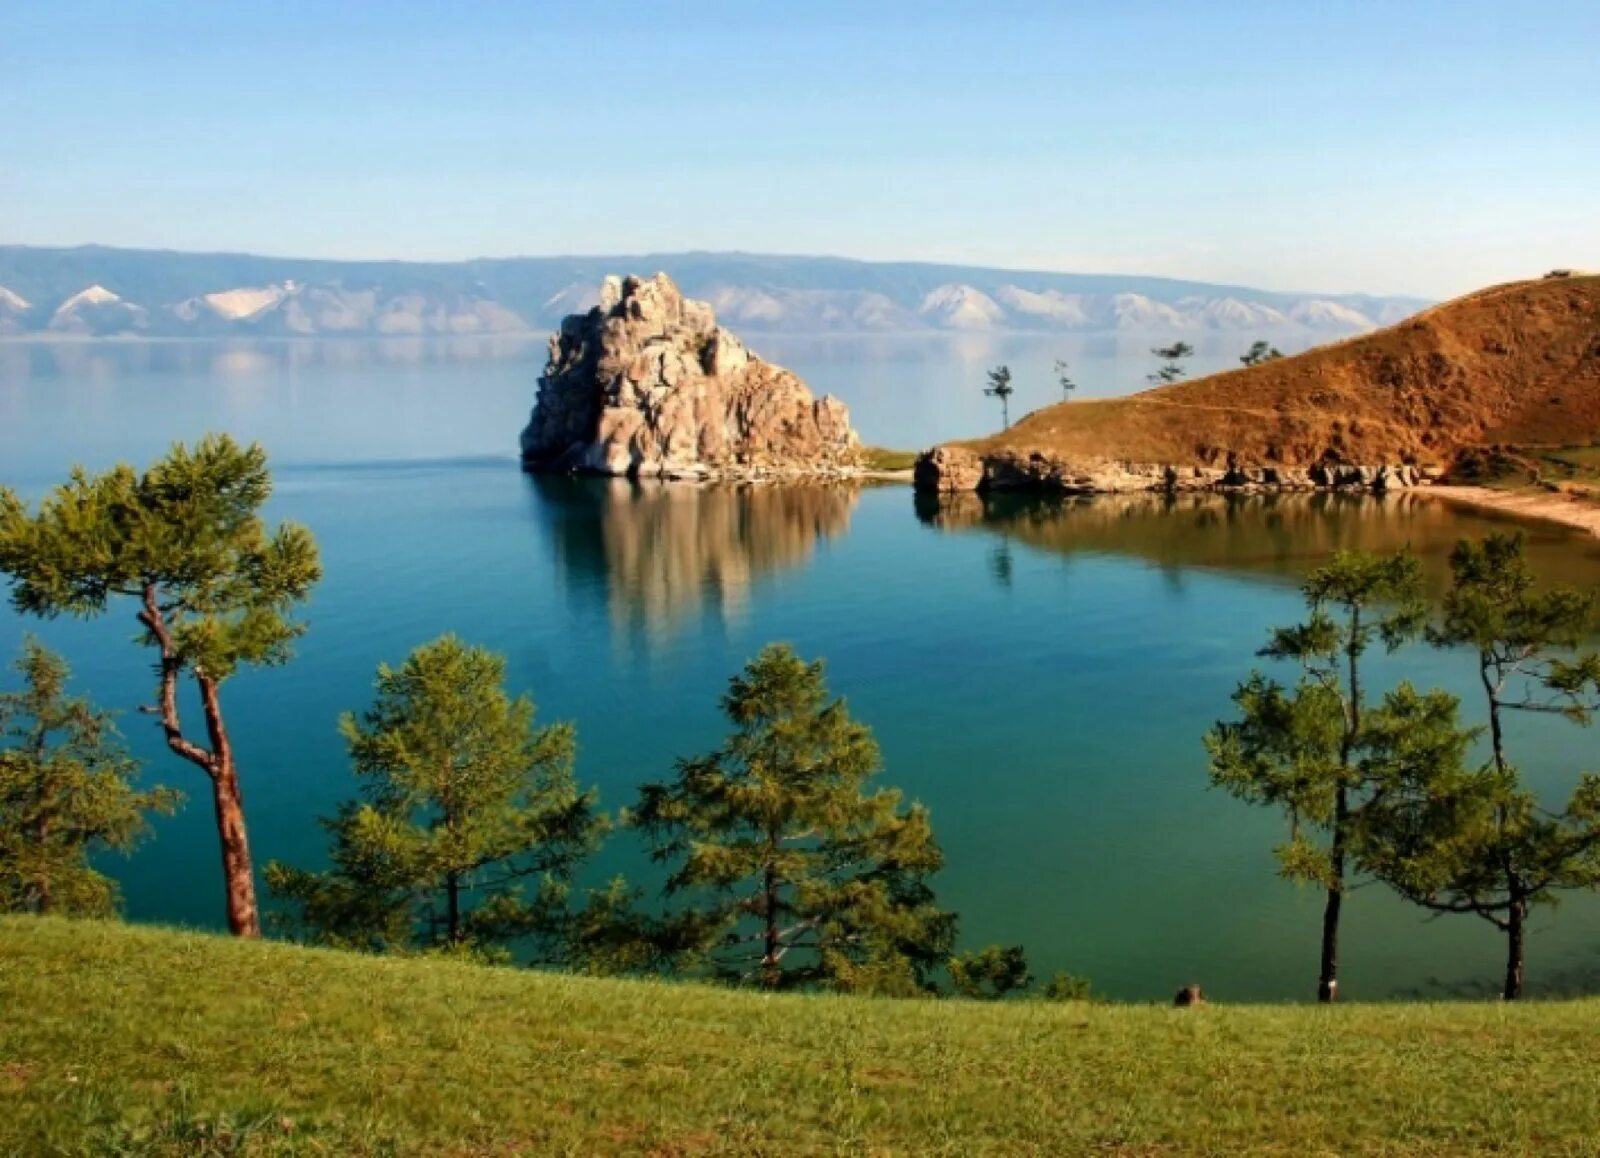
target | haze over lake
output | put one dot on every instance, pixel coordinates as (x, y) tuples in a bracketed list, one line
[(1039, 673)]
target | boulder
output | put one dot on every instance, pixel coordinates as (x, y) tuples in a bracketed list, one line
[(947, 469), (647, 384)]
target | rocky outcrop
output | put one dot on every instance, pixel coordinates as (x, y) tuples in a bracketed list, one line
[(647, 384), (948, 468), (954, 468)]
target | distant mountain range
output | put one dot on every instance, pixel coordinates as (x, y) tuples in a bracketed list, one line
[(98, 291)]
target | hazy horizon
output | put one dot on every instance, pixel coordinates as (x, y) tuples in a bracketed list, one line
[(617, 255)]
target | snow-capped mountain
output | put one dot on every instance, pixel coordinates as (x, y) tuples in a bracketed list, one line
[(1051, 307), (1233, 314), (13, 311), (97, 310), (234, 305), (807, 310), (961, 307), (1319, 314), (290, 308), (95, 291)]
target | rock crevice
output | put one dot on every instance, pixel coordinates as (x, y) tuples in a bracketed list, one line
[(647, 384)]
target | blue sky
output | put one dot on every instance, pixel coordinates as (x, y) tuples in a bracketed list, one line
[(1406, 146)]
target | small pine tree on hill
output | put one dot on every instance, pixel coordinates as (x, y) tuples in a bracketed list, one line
[(1260, 352), (1000, 387), (66, 792), (1171, 368), (789, 869), (465, 806)]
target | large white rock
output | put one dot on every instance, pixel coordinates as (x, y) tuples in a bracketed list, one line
[(647, 383)]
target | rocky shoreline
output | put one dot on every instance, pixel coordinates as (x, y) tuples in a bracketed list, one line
[(950, 469)]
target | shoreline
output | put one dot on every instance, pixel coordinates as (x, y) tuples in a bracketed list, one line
[(1548, 506)]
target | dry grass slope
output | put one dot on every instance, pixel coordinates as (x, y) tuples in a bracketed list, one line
[(123, 1040), (1514, 364)]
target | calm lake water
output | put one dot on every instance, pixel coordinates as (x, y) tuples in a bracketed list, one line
[(1038, 673)]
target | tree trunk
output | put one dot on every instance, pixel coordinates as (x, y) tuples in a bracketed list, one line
[(1328, 976), (238, 874), (41, 830), (452, 888), (238, 877), (43, 901), (772, 941), (1516, 918)]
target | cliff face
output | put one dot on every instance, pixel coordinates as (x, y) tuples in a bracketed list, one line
[(647, 384), (1515, 364)]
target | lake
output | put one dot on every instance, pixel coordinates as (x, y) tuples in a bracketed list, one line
[(1039, 673)]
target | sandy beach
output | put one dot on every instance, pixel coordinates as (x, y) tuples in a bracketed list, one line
[(1555, 507)]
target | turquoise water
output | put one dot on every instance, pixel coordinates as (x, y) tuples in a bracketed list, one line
[(1039, 674)]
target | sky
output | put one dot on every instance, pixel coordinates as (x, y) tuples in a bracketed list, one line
[(1403, 146)]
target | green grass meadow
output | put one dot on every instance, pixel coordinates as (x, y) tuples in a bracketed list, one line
[(117, 1039)]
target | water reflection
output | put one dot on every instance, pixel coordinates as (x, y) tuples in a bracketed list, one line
[(1285, 535), (664, 555)]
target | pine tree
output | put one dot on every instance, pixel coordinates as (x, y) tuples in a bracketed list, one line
[(1477, 841), (214, 592), (1304, 749), (1171, 368), (791, 871), (1000, 387), (990, 974), (464, 804), (1064, 380), (66, 791), (1260, 352)]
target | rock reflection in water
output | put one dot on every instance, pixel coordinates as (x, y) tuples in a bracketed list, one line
[(1284, 534), (665, 553)]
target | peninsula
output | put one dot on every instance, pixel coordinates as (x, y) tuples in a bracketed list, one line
[(1496, 376)]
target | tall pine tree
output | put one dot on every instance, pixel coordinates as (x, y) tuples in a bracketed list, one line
[(66, 792), (1304, 749), (789, 870), (466, 806), (1478, 841), (213, 590)]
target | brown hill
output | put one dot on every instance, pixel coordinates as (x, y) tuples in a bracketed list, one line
[(1514, 364)]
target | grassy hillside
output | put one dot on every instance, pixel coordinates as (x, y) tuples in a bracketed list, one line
[(118, 1039), (1517, 364)]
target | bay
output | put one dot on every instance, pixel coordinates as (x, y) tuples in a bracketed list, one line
[(1038, 673)]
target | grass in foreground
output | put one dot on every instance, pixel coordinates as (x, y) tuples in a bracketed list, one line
[(117, 1039)]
